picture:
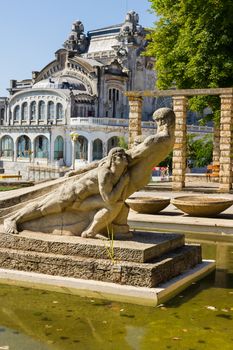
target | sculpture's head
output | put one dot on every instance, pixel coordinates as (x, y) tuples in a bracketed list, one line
[(117, 156), (165, 119)]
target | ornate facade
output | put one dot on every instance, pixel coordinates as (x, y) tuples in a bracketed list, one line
[(81, 91)]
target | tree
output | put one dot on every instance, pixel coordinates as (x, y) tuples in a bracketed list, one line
[(122, 142), (193, 45), (199, 150)]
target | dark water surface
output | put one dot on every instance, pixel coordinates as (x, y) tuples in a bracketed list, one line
[(199, 318)]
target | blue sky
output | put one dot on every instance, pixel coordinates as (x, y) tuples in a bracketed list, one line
[(32, 30)]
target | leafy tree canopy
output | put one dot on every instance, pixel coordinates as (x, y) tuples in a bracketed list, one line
[(193, 45), (200, 150)]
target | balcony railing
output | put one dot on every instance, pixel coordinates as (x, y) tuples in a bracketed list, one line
[(117, 122), (100, 121)]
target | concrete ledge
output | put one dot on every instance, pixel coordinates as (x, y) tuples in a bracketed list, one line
[(193, 227), (106, 290)]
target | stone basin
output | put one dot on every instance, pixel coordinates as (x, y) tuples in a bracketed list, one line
[(201, 205), (148, 205)]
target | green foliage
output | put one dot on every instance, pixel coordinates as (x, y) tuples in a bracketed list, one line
[(192, 42), (200, 150), (167, 161), (122, 142)]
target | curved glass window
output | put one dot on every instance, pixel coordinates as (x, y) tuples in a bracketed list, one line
[(97, 149), (24, 147), (41, 147), (112, 142), (7, 146), (60, 113), (81, 148), (58, 148), (33, 110), (50, 110), (16, 113), (41, 110), (24, 111)]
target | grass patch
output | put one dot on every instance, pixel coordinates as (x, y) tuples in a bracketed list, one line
[(9, 188)]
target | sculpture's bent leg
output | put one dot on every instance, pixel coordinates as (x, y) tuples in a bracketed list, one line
[(102, 219), (120, 222)]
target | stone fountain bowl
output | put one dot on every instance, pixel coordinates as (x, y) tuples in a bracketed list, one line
[(201, 205), (148, 205)]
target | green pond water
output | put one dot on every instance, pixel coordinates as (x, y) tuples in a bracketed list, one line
[(199, 318)]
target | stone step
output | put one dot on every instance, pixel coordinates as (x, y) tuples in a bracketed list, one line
[(144, 246), (149, 275)]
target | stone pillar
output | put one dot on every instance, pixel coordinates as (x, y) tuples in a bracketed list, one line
[(226, 141), (73, 153), (15, 150), (90, 151), (135, 117), (179, 151), (216, 145), (33, 146), (105, 148)]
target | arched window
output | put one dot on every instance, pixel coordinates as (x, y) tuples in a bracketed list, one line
[(7, 147), (50, 110), (2, 116), (33, 110), (112, 142), (81, 148), (24, 147), (41, 110), (97, 149), (16, 113), (58, 148), (60, 113), (24, 111), (41, 147)]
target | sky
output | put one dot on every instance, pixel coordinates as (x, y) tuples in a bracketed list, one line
[(32, 30)]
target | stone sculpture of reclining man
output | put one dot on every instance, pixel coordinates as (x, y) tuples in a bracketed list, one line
[(90, 204), (100, 190)]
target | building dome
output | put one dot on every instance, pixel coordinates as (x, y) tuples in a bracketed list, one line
[(60, 83)]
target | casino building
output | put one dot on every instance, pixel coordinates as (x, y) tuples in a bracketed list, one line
[(80, 92)]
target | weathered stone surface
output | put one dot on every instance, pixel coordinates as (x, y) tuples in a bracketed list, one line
[(142, 248), (123, 272)]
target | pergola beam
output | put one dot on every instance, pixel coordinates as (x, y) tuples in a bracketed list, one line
[(180, 92)]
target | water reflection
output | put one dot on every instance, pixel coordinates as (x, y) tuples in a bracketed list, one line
[(223, 254)]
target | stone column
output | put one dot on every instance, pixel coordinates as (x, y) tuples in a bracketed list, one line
[(33, 146), (179, 151), (15, 151), (73, 153), (135, 117), (90, 151), (226, 141), (216, 145)]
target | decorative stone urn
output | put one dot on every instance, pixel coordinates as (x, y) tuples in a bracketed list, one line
[(201, 205), (148, 205)]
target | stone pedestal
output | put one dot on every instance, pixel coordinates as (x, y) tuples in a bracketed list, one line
[(135, 117), (148, 260), (179, 150), (226, 141)]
